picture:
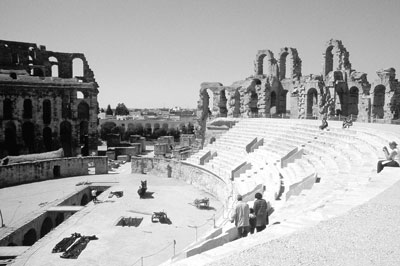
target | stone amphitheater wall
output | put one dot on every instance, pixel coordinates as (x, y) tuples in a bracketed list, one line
[(16, 174)]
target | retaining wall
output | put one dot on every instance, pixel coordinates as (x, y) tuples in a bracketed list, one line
[(191, 174), (16, 174)]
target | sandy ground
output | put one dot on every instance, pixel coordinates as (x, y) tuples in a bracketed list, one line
[(116, 245)]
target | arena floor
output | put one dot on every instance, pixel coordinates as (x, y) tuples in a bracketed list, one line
[(116, 245)]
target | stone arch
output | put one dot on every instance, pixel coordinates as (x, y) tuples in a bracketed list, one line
[(77, 68), (10, 138), (30, 238), (54, 66), (378, 101), (223, 111), (27, 109), (165, 126), (59, 218), (66, 138), (47, 138), (84, 200), (336, 57), (312, 102), (289, 63), (353, 101), (8, 109), (46, 111), (83, 110), (28, 135), (47, 225), (264, 62)]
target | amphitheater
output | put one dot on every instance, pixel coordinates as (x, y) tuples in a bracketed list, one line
[(323, 185), (260, 134)]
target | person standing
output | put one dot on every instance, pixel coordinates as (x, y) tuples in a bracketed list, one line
[(260, 210), (392, 157), (94, 196), (240, 216)]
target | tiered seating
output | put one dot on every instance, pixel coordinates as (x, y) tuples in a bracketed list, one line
[(340, 158)]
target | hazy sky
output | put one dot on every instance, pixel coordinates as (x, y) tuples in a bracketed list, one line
[(156, 53)]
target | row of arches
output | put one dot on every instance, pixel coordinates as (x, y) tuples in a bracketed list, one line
[(9, 110), (238, 104), (77, 67), (32, 235), (49, 139)]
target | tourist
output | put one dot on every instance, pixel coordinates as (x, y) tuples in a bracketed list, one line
[(260, 210), (252, 221), (392, 158), (94, 196), (240, 216), (324, 123)]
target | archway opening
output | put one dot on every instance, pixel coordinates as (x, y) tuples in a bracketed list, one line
[(312, 103), (30, 238), (27, 109), (83, 110), (84, 200), (28, 135), (66, 138), (47, 225), (253, 104), (273, 107), (7, 109), (379, 101), (223, 111), (10, 138), (77, 68), (353, 101), (46, 111), (59, 218), (47, 138)]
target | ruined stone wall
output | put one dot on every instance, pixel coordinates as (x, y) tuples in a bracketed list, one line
[(43, 111), (15, 174), (278, 87)]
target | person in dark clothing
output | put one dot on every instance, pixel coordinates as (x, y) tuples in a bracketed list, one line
[(324, 123), (260, 210)]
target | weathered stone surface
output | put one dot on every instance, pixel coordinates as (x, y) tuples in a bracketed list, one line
[(44, 103), (278, 87)]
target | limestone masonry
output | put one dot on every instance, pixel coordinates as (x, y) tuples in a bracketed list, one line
[(278, 88), (48, 100)]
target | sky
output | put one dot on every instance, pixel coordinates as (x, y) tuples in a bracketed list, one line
[(156, 53)]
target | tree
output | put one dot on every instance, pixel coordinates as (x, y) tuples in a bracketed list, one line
[(109, 111), (121, 109), (106, 129)]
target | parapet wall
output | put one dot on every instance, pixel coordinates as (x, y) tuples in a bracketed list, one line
[(16, 174), (192, 174)]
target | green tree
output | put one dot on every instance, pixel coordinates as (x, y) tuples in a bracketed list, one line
[(109, 111), (106, 129), (121, 109)]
